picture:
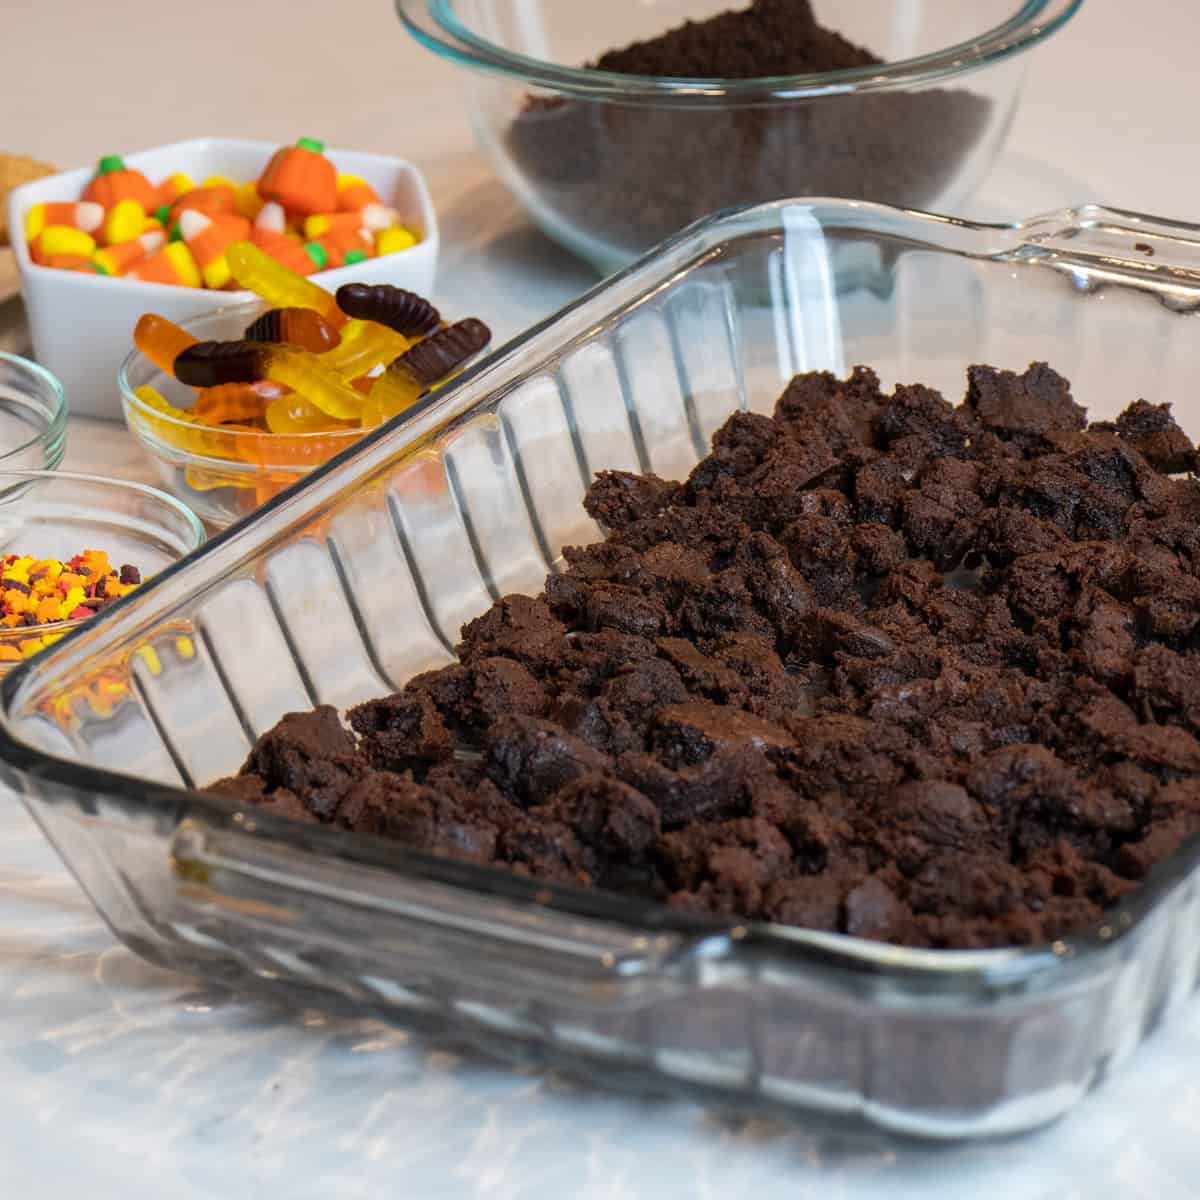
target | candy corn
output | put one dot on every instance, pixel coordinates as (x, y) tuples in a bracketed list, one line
[(116, 260), (78, 214), (72, 262), (374, 218), (354, 193), (208, 237), (322, 223), (123, 222), (61, 239), (285, 250), (219, 198), (393, 239), (246, 200), (271, 217), (172, 264), (172, 188)]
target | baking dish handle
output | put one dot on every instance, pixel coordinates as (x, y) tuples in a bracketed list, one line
[(1099, 246), (277, 907)]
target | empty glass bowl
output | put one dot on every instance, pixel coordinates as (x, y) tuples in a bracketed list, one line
[(33, 416), (610, 164)]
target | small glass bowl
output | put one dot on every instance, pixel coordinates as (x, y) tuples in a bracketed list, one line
[(222, 474), (58, 514), (33, 416), (610, 164)]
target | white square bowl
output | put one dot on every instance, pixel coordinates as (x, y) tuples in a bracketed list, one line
[(82, 325)]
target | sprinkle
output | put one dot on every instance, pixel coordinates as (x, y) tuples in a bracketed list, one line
[(149, 656), (39, 592)]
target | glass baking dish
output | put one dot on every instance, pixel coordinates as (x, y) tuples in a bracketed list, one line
[(353, 581)]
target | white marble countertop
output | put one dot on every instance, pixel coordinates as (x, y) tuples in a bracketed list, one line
[(124, 1080)]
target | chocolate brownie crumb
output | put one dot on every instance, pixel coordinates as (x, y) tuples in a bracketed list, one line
[(401, 732), (881, 665), (1153, 431), (631, 174), (310, 754), (619, 498)]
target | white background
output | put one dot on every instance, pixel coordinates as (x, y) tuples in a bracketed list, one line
[(116, 1079)]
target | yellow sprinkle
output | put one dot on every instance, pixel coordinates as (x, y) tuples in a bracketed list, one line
[(149, 656)]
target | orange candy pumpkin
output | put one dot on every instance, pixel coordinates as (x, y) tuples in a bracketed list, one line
[(300, 178), (114, 182)]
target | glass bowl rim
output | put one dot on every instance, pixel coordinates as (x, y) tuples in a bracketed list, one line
[(143, 411), (435, 25), (59, 628), (56, 422)]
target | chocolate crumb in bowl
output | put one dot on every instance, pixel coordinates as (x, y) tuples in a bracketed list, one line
[(919, 673), (632, 175)]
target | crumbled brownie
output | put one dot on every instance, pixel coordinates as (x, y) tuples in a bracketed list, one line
[(421, 817), (519, 628), (401, 732), (881, 665), (310, 754), (686, 734), (530, 759), (619, 498), (615, 819), (1153, 431), (250, 789), (1037, 402), (470, 698)]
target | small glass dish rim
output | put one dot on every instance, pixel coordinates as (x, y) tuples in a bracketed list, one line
[(54, 434), (1031, 23)]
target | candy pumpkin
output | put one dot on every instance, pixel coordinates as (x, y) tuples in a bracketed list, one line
[(114, 182), (300, 178)]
